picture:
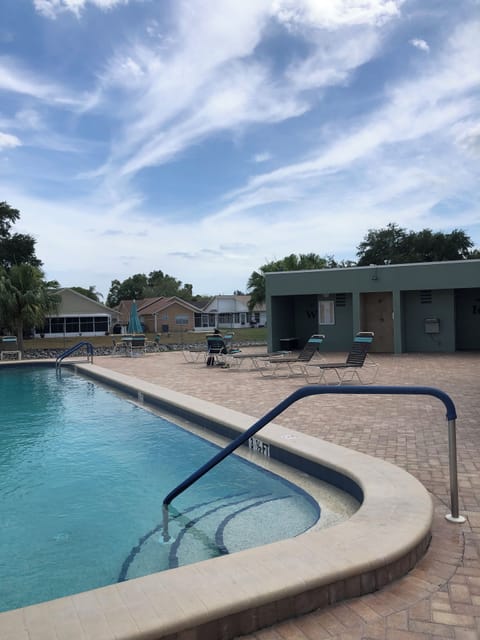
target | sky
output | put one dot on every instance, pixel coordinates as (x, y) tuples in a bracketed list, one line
[(206, 138)]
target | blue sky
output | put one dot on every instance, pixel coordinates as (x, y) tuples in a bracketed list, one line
[(206, 138)]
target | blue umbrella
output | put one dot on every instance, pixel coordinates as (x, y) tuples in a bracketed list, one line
[(134, 324)]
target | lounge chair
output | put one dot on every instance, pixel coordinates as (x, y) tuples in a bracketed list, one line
[(352, 369), (9, 348), (194, 353), (240, 358), (218, 348), (289, 365)]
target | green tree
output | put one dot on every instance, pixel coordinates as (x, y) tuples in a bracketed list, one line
[(15, 248), (256, 286), (436, 247), (256, 282), (186, 292), (161, 284), (8, 216), (383, 246), (130, 289), (394, 245), (113, 297), (140, 286), (26, 298)]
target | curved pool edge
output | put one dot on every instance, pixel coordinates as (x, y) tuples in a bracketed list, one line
[(240, 593)]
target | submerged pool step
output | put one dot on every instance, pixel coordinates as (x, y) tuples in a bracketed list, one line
[(212, 529), (195, 529), (204, 534), (243, 529)]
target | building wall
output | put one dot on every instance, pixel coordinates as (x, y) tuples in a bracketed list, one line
[(305, 318), (420, 312), (290, 298), (338, 337), (300, 319)]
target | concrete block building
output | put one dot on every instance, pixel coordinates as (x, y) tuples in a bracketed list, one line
[(422, 307)]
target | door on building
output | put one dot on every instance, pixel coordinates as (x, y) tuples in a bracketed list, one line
[(377, 316), (467, 319)]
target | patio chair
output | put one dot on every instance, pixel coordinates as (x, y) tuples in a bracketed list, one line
[(130, 345), (354, 367), (193, 354), (9, 348), (289, 365), (138, 345), (240, 358), (218, 349)]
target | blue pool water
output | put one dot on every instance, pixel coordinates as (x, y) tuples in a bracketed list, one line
[(83, 473)]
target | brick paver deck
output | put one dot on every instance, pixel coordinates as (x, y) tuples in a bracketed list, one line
[(440, 598)]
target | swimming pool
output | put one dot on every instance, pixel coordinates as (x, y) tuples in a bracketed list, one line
[(239, 593), (82, 477)]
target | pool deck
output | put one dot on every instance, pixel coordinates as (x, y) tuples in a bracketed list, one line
[(440, 597)]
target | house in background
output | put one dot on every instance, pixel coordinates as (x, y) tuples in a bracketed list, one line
[(230, 312), (421, 307), (168, 315), (160, 315), (77, 315)]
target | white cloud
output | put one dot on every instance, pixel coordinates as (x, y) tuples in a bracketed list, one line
[(420, 44), (51, 8), (7, 141), (467, 137), (431, 103), (205, 79), (334, 59), (127, 71), (29, 119), (15, 79), (335, 13), (242, 97), (262, 157)]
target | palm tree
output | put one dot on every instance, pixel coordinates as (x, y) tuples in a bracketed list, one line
[(26, 298), (256, 282)]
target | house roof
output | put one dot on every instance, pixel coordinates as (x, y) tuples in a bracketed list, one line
[(149, 306), (154, 305), (65, 292)]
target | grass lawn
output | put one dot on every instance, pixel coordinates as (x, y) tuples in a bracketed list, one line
[(174, 337)]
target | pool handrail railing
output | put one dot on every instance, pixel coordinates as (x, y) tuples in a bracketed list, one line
[(76, 347), (312, 390)]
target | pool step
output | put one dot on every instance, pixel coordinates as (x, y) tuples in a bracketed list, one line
[(186, 529), (204, 535)]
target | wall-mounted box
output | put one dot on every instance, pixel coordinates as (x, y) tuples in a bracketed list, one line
[(432, 325)]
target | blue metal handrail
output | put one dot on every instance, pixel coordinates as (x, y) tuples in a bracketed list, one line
[(311, 390), (72, 350)]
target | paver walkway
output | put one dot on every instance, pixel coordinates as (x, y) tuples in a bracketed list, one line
[(440, 598)]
